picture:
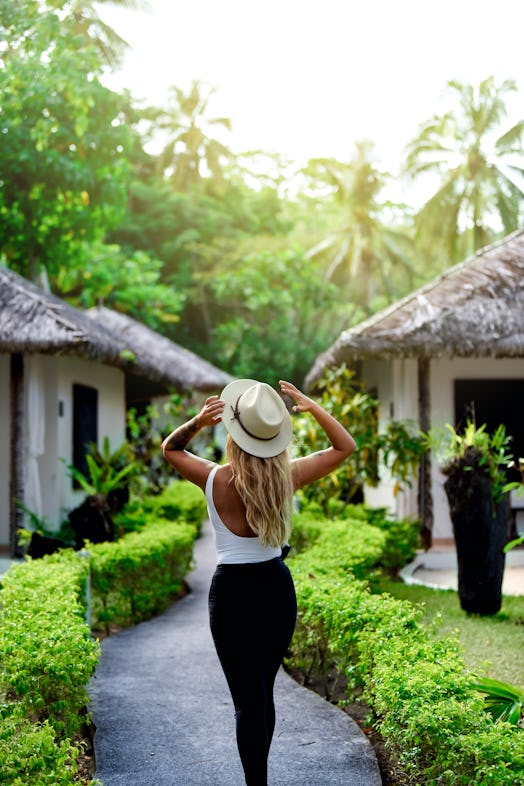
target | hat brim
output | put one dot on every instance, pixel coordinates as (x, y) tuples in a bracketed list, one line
[(249, 444)]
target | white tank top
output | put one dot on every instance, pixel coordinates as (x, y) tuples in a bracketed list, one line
[(231, 548)]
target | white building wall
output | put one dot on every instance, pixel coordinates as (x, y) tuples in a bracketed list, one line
[(5, 441), (59, 375)]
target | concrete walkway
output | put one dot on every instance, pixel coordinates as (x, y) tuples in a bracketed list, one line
[(164, 716)]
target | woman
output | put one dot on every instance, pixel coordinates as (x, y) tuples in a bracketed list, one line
[(252, 603)]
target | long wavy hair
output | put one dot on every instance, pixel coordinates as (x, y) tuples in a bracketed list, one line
[(266, 488)]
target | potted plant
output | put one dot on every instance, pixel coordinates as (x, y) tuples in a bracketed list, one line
[(475, 464)]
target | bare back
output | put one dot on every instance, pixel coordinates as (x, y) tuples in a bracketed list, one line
[(229, 505)]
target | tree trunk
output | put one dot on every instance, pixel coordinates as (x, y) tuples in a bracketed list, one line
[(480, 528)]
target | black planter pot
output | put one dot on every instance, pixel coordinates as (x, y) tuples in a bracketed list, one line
[(480, 528)]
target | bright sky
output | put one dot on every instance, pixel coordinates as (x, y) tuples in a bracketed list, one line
[(310, 77)]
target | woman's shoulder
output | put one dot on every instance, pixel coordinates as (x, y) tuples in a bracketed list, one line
[(223, 474)]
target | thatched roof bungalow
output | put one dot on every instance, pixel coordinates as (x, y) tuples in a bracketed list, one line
[(66, 378), (34, 321), (451, 349)]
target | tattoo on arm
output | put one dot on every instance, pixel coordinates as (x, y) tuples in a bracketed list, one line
[(180, 438)]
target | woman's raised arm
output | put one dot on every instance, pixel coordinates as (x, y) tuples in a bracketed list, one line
[(322, 462), (187, 464)]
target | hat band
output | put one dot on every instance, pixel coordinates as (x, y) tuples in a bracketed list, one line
[(236, 416)]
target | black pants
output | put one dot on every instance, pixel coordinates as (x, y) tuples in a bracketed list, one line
[(252, 611)]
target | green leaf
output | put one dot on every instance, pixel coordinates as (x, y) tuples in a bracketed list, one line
[(502, 700)]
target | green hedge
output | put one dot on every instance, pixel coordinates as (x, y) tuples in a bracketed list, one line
[(47, 654), (401, 537), (139, 575), (47, 657), (180, 500), (348, 545), (417, 685)]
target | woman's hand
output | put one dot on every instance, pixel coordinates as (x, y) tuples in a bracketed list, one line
[(303, 403), (211, 412)]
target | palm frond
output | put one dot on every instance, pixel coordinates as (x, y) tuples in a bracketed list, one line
[(502, 700), (511, 141)]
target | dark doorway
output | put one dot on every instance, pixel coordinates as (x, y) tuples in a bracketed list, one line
[(85, 424), (492, 401)]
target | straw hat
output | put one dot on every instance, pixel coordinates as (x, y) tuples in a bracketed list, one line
[(256, 418)]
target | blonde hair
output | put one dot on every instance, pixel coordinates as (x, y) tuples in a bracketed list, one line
[(266, 488)]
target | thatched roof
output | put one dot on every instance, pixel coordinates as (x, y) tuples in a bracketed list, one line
[(35, 321), (159, 358), (475, 309)]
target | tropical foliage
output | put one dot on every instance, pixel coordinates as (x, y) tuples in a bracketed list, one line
[(415, 684), (368, 255), (491, 451), (63, 163), (239, 255), (398, 448), (479, 167)]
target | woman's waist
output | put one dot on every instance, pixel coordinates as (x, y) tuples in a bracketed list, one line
[(248, 564)]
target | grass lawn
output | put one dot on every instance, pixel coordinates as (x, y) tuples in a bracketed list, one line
[(492, 646)]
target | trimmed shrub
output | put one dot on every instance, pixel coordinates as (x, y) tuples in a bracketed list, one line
[(47, 654), (430, 716), (47, 657), (138, 576), (180, 500), (345, 546), (402, 537), (31, 755)]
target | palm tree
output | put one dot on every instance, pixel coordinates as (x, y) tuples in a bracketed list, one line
[(88, 24), (366, 255), (480, 171), (190, 153)]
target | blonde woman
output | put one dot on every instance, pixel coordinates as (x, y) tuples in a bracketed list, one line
[(252, 603)]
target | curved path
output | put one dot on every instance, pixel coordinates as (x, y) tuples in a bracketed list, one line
[(164, 717)]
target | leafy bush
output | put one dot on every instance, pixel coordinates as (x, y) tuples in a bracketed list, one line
[(46, 652), (137, 577), (423, 698), (401, 537), (30, 753), (179, 500), (47, 657), (345, 545), (182, 500)]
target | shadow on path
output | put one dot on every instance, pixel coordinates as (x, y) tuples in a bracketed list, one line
[(164, 716)]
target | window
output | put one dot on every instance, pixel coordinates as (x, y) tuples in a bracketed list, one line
[(85, 424)]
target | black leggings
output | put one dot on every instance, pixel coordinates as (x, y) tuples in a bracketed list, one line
[(252, 611)]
